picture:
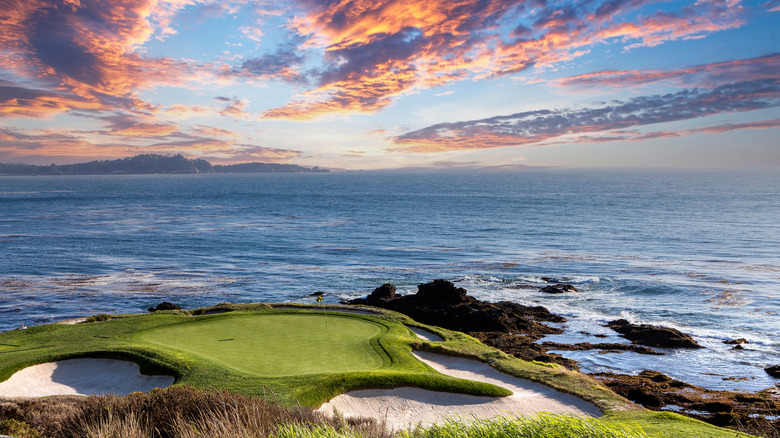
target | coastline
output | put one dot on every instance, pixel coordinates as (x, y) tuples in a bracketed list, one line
[(514, 329)]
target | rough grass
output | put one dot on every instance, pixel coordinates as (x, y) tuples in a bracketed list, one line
[(180, 412), (540, 426)]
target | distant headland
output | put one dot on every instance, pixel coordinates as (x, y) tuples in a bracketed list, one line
[(151, 164)]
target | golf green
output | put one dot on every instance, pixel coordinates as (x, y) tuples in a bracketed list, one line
[(277, 345)]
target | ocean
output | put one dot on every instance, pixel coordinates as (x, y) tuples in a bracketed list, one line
[(691, 249)]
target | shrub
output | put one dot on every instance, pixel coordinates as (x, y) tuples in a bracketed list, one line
[(18, 429)]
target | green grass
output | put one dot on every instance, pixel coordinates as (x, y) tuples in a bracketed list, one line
[(195, 350), (284, 355), (540, 426), (278, 345)]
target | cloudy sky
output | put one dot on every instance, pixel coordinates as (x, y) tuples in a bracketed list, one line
[(361, 84)]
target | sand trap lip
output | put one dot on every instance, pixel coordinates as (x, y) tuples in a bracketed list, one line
[(405, 407), (81, 377), (425, 334)]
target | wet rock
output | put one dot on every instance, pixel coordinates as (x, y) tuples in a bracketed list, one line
[(505, 325), (655, 376), (609, 346), (164, 306), (650, 388), (773, 371), (714, 407), (558, 289), (384, 292), (440, 292), (644, 398), (737, 341), (653, 335), (317, 294)]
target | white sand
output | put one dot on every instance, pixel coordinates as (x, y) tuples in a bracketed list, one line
[(81, 377), (405, 407), (425, 334)]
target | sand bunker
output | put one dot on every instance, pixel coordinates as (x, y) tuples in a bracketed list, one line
[(81, 377), (405, 407), (425, 334)]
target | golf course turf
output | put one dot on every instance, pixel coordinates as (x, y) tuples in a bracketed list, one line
[(278, 345), (288, 355)]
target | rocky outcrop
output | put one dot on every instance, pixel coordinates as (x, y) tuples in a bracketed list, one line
[(606, 347), (737, 341), (383, 293), (654, 390), (511, 325), (653, 335), (165, 306), (773, 371), (441, 303), (558, 289)]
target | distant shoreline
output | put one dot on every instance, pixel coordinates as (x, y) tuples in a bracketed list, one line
[(152, 164)]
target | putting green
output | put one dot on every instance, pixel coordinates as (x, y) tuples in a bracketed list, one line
[(277, 345)]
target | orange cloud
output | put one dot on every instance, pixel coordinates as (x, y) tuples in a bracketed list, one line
[(606, 123), (90, 49), (705, 75), (24, 102), (377, 51)]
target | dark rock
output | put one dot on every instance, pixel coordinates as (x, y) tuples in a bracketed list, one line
[(440, 292), (773, 371), (317, 294), (724, 408), (384, 292), (558, 289), (737, 341), (653, 335), (165, 306), (508, 326), (714, 407), (655, 376), (644, 398), (737, 347), (550, 279), (723, 419), (610, 346)]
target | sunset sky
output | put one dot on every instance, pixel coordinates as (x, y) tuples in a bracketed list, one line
[(369, 84)]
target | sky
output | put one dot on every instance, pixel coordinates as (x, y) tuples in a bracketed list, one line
[(373, 84)]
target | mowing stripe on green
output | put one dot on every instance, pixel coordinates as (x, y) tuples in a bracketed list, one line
[(277, 345)]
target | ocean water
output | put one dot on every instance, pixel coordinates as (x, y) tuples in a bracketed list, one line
[(695, 250)]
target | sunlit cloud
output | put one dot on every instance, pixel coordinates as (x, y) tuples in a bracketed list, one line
[(282, 64), (133, 126), (406, 45), (706, 75), (18, 101), (210, 131), (234, 107), (90, 48), (241, 153), (538, 127)]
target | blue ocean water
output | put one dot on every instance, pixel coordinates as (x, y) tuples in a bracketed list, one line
[(696, 250)]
